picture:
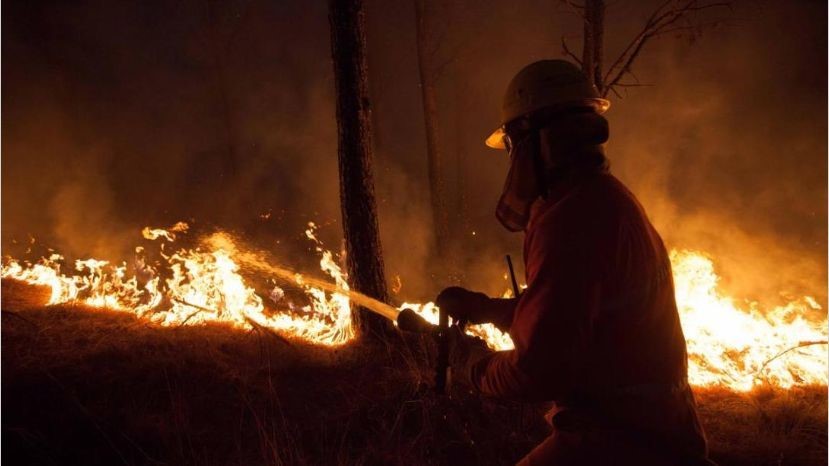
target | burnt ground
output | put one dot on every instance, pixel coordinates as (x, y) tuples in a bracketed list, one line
[(86, 386)]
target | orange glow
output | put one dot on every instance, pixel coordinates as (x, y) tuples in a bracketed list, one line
[(729, 344), (205, 286)]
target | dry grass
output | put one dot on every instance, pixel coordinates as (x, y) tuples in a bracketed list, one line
[(84, 386), (768, 426)]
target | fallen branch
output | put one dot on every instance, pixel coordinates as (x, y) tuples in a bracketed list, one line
[(799, 345), (271, 331), (196, 306), (250, 321)]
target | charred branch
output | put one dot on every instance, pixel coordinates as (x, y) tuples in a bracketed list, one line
[(428, 92)]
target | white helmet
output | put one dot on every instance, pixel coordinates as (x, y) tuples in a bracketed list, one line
[(545, 83)]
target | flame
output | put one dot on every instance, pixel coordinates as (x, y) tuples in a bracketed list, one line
[(741, 346), (169, 234), (492, 335), (204, 286), (729, 344)]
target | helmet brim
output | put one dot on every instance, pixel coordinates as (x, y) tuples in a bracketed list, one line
[(496, 139)]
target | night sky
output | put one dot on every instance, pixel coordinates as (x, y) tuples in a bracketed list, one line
[(118, 114)]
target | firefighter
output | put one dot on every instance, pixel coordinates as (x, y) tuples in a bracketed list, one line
[(596, 331)]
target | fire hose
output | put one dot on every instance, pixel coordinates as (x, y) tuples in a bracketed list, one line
[(409, 321)]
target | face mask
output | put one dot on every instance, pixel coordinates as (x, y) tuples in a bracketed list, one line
[(522, 187), (545, 158)]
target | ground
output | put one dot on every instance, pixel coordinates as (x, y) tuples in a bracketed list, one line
[(85, 386)]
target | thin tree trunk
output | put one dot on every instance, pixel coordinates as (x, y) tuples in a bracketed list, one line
[(359, 209), (229, 166), (593, 48), (587, 42), (430, 120), (463, 229), (598, 43), (218, 50)]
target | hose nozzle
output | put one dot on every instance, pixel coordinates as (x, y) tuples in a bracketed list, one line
[(409, 321)]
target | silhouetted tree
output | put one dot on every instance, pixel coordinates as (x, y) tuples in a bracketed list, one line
[(359, 209), (592, 51), (439, 43), (462, 109), (678, 17), (224, 20), (427, 44)]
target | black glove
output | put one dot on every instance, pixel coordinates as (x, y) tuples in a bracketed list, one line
[(464, 352), (464, 305)]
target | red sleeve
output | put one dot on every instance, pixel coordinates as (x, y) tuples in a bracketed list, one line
[(500, 312), (553, 321)]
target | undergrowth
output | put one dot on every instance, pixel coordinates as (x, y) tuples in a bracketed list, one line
[(86, 386)]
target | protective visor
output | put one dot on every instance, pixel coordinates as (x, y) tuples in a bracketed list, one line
[(496, 139)]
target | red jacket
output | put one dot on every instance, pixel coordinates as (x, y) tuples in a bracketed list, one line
[(598, 317)]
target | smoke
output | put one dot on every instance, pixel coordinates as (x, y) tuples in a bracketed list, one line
[(725, 145), (121, 115), (733, 160)]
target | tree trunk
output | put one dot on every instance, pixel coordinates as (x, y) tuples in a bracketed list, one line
[(462, 230), (218, 52), (425, 58), (593, 48), (587, 43), (359, 209)]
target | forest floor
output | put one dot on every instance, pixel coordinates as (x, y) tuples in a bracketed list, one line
[(87, 386)]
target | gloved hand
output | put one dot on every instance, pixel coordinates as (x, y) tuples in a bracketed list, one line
[(464, 352), (464, 305)]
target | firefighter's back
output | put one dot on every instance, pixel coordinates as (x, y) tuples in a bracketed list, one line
[(634, 392)]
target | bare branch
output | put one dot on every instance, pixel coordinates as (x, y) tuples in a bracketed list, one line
[(438, 69), (567, 52), (692, 27), (619, 85), (574, 5), (659, 19), (626, 67), (634, 76), (787, 350), (662, 21), (627, 49)]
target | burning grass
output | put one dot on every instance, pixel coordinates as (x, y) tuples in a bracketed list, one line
[(90, 386), (93, 386), (220, 279)]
